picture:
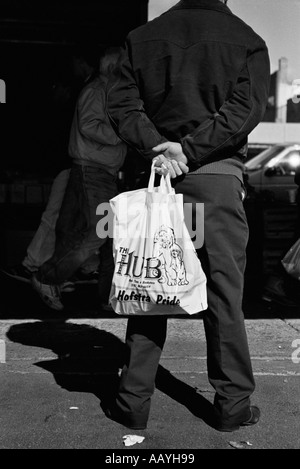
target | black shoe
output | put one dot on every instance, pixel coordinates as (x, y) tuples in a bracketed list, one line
[(113, 413), (252, 420), (18, 272), (49, 294), (67, 287), (271, 297), (275, 292)]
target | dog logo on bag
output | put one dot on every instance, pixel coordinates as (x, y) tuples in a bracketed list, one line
[(170, 255)]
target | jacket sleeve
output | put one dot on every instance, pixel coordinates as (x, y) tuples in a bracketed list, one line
[(126, 110), (227, 130), (93, 122)]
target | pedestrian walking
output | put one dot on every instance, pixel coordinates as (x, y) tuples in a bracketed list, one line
[(281, 288), (97, 155), (84, 65), (192, 84)]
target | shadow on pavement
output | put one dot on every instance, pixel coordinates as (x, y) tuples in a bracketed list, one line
[(89, 360), (20, 301), (185, 395)]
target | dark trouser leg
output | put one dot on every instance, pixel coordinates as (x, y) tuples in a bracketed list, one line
[(106, 271), (145, 338), (77, 239), (223, 259)]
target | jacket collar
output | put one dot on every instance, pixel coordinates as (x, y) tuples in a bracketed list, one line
[(204, 4)]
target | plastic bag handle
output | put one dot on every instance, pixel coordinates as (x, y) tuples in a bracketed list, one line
[(165, 182), (168, 183), (151, 179)]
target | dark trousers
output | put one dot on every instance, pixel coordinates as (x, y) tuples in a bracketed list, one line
[(223, 259), (76, 236), (145, 338)]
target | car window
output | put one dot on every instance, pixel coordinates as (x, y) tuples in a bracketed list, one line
[(290, 162), (258, 161)]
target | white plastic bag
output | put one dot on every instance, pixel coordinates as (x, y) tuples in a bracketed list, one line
[(291, 261), (157, 270)]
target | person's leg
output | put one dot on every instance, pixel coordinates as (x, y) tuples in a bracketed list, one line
[(42, 245), (145, 338), (77, 239), (91, 265), (106, 271), (280, 287), (223, 259)]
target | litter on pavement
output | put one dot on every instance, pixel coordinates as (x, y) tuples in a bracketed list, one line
[(130, 440)]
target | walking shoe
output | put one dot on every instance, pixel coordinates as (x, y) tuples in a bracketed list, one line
[(134, 423), (252, 420), (67, 287), (275, 292), (281, 300), (85, 279), (49, 294), (18, 272)]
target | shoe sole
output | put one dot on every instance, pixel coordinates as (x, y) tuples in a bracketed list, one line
[(277, 300), (16, 277), (247, 423), (234, 429), (121, 422), (228, 430), (266, 298), (67, 287), (44, 298), (47, 303)]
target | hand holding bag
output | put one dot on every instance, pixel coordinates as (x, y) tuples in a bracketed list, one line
[(157, 270)]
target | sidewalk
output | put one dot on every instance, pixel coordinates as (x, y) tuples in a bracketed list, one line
[(58, 368)]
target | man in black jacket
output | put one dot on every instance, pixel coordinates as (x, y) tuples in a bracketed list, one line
[(192, 84)]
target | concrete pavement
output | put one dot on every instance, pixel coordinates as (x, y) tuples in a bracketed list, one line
[(58, 368)]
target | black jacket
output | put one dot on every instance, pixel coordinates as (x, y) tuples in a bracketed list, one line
[(196, 75)]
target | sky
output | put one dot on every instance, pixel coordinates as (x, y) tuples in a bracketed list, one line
[(276, 21)]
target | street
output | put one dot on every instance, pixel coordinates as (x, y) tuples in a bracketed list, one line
[(59, 366)]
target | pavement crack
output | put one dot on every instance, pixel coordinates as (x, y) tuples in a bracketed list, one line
[(292, 326)]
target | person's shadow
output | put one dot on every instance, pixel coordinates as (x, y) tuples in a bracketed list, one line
[(90, 359)]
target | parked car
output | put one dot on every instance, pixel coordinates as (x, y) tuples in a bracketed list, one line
[(271, 173), (256, 148)]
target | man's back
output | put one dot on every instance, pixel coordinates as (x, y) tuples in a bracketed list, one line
[(187, 64), (196, 57)]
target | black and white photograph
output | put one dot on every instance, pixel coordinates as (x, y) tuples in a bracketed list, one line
[(150, 227)]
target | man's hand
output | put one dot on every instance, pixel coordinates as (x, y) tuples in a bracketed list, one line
[(173, 159), (172, 151), (163, 166)]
